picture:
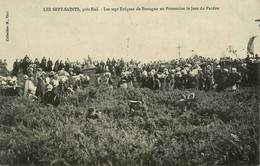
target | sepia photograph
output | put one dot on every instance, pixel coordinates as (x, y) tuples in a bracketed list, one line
[(111, 83)]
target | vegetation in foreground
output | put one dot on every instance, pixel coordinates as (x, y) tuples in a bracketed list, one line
[(217, 129)]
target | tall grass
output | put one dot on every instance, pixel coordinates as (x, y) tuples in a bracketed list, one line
[(217, 129)]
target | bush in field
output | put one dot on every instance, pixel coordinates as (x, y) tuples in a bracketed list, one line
[(217, 129)]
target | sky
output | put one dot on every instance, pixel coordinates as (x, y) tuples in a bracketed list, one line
[(101, 35)]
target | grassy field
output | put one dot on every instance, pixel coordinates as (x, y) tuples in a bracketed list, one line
[(217, 129)]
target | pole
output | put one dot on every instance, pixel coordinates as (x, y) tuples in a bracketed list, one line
[(179, 51), (127, 45)]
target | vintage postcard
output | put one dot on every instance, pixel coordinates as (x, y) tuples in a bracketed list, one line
[(129, 82)]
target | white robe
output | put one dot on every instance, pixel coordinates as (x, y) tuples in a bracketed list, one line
[(29, 88)]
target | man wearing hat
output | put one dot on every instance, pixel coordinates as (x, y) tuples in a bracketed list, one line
[(49, 65), (56, 66), (61, 65), (15, 67), (44, 64)]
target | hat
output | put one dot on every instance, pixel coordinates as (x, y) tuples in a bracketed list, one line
[(145, 73), (196, 66), (108, 74), (172, 71), (107, 69), (187, 68), (55, 83), (218, 67), (81, 75), (14, 79), (234, 70), (87, 78), (25, 77), (226, 70), (184, 72), (31, 69), (3, 83), (152, 72), (63, 78), (178, 69), (123, 74), (178, 73), (52, 73), (49, 87), (192, 73), (8, 78)]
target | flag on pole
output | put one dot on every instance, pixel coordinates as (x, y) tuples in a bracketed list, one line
[(230, 49), (250, 45)]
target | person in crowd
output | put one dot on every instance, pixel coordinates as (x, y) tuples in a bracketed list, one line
[(37, 63), (223, 84), (217, 75), (150, 83), (172, 79), (122, 84), (61, 65), (192, 80), (41, 87), (15, 67), (234, 78), (157, 82), (208, 78), (201, 79), (43, 64), (67, 66), (29, 87), (85, 81), (92, 114), (25, 65), (244, 74), (138, 108), (49, 95), (49, 65), (179, 82), (56, 66), (176, 74), (55, 93)]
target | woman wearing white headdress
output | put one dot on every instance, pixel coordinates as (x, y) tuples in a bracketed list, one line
[(234, 78), (29, 87)]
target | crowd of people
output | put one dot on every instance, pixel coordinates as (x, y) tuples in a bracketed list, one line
[(47, 81)]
